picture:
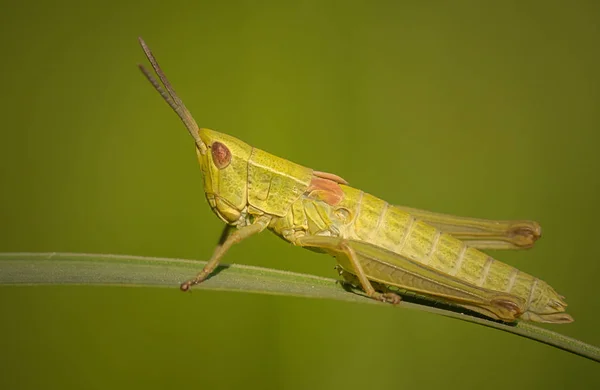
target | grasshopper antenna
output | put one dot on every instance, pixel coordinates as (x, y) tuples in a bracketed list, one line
[(170, 96)]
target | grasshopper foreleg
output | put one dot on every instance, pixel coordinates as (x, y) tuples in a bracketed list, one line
[(225, 242)]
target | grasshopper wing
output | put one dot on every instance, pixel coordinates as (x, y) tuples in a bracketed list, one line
[(482, 233)]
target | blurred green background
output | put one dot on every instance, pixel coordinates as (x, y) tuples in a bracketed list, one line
[(481, 110)]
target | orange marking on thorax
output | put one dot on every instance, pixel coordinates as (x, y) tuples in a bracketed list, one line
[(330, 176), (325, 189)]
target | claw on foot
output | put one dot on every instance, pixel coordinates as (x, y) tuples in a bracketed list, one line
[(388, 297), (186, 286)]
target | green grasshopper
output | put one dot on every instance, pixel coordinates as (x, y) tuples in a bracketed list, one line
[(379, 246)]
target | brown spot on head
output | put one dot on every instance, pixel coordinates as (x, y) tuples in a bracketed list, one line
[(221, 155)]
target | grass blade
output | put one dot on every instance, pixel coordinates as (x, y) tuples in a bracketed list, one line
[(97, 269)]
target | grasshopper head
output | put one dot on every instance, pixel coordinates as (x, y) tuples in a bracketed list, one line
[(223, 159), (225, 171)]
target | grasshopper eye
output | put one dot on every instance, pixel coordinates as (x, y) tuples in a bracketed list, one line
[(221, 155)]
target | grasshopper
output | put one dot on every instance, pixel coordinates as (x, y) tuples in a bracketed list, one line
[(380, 247)]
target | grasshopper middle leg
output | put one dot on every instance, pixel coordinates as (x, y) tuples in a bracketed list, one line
[(342, 247)]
